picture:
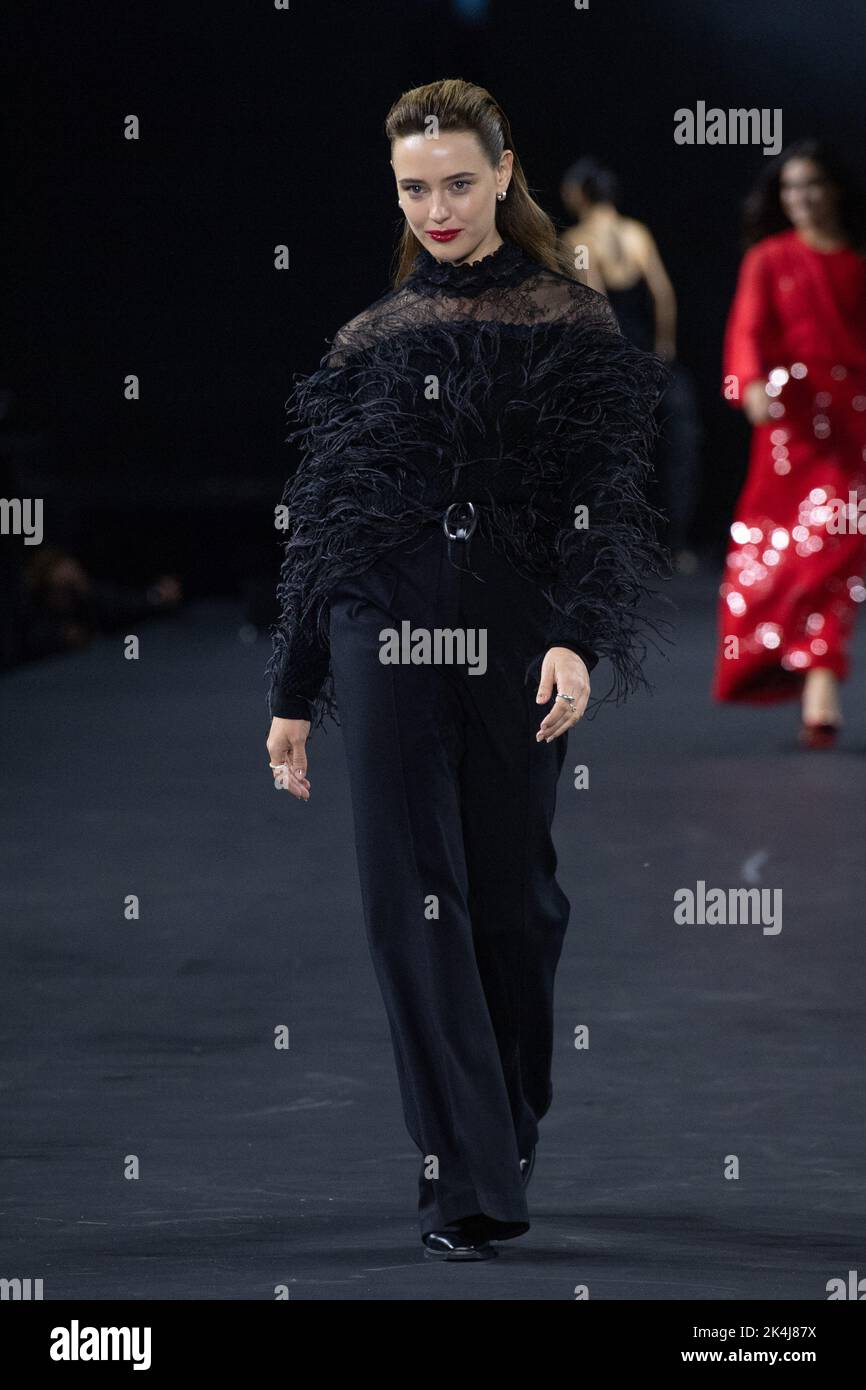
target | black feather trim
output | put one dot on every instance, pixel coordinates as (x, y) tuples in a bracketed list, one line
[(530, 419)]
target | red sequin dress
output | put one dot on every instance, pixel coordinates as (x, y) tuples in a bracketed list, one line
[(796, 563)]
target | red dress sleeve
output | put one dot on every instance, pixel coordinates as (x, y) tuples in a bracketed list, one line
[(751, 327)]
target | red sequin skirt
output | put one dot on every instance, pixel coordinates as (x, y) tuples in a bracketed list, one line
[(795, 571)]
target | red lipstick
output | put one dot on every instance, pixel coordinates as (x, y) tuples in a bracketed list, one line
[(448, 235)]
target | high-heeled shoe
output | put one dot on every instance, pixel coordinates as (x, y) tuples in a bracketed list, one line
[(818, 735)]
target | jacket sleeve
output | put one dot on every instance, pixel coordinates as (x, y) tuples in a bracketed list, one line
[(301, 685), (751, 327), (598, 396)]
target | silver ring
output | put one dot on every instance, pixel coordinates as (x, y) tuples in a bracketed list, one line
[(568, 698)]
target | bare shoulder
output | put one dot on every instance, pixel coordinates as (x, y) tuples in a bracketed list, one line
[(639, 241), (636, 232), (576, 234)]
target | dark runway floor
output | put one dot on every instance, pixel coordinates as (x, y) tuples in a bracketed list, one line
[(151, 1041)]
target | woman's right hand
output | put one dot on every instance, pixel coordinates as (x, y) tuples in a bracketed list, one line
[(287, 748), (756, 403)]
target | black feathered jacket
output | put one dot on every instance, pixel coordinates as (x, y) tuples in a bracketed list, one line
[(502, 383)]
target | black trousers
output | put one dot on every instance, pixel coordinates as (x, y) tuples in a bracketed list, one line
[(453, 801)]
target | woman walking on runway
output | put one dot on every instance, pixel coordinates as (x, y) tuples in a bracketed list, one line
[(795, 361), (469, 536)]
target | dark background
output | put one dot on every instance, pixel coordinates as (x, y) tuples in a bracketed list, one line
[(261, 126)]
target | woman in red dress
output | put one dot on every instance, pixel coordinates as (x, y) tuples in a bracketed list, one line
[(795, 362)]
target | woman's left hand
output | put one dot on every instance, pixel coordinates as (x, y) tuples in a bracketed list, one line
[(756, 403), (563, 670)]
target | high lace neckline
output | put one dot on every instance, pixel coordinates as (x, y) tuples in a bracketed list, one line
[(507, 265)]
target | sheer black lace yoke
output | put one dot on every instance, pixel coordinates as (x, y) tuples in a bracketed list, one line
[(505, 287)]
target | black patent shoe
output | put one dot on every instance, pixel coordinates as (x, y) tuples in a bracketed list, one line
[(461, 1240), (526, 1167)]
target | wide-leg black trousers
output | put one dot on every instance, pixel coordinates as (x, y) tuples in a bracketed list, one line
[(453, 801)]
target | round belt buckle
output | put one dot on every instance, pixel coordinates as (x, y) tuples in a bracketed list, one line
[(463, 525)]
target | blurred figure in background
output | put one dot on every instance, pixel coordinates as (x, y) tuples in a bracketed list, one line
[(622, 259), (618, 256), (795, 363), (66, 608)]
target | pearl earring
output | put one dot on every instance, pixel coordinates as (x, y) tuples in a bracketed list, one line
[(500, 196)]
